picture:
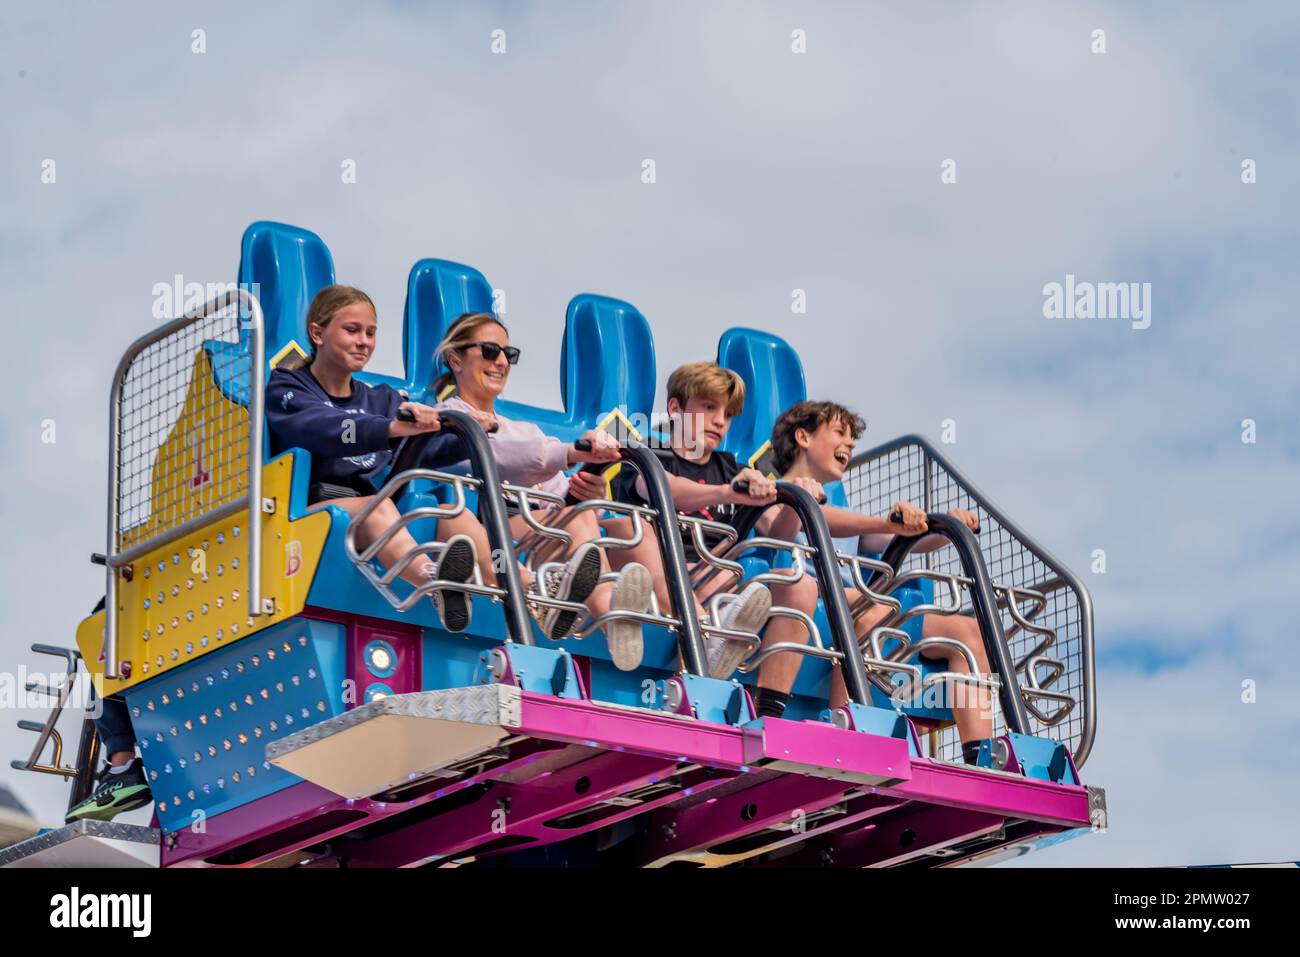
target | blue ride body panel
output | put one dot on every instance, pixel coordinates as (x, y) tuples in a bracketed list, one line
[(235, 700)]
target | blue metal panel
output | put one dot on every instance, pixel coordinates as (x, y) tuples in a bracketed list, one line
[(452, 661), (1040, 758), (203, 728)]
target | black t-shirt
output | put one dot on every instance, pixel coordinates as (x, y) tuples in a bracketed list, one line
[(720, 469)]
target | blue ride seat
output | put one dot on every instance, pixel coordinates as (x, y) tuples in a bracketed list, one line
[(774, 381), (286, 266), (438, 292)]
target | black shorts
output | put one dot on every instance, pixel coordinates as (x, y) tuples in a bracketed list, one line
[(324, 491)]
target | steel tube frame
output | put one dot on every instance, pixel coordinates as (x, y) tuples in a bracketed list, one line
[(252, 501)]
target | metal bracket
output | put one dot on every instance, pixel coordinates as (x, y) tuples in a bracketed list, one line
[(1040, 758), (869, 720), (707, 699), (530, 668), (268, 506)]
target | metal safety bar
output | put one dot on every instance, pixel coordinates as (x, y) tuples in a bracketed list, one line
[(672, 552), (532, 545), (984, 607), (834, 600), (150, 388), (880, 664), (913, 469), (383, 582), (491, 514), (815, 647)]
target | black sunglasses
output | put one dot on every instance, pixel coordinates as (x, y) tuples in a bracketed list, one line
[(490, 351)]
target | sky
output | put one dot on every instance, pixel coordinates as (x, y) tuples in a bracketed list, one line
[(774, 171)]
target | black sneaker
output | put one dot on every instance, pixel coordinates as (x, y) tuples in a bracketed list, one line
[(455, 565), (115, 794)]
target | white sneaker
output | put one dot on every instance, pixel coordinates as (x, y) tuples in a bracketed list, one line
[(748, 612), (456, 564), (575, 582), (632, 592)]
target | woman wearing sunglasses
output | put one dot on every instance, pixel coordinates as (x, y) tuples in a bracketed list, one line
[(479, 357)]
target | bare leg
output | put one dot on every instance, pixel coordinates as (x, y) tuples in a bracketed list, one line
[(647, 553), (779, 672), (972, 708)]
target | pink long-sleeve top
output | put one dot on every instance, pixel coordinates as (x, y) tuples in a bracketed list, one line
[(525, 454)]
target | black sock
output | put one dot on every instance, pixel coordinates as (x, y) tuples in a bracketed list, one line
[(771, 704), (970, 751)]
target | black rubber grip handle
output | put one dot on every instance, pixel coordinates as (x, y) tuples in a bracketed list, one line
[(896, 516), (583, 445), (406, 415), (742, 486)]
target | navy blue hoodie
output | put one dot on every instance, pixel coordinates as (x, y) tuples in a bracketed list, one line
[(300, 414)]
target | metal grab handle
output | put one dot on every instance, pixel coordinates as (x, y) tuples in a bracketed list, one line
[(984, 606), (742, 486), (896, 516), (46, 730), (406, 415)]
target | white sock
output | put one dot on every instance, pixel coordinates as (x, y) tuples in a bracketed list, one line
[(121, 768)]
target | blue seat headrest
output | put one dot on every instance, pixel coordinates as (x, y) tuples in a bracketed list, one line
[(774, 381), (438, 292), (285, 266), (607, 361)]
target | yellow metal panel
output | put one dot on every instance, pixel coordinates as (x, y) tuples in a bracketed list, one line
[(190, 597)]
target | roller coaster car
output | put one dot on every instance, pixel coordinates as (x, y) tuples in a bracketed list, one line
[(295, 704)]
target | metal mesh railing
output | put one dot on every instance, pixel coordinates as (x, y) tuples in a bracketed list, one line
[(164, 477), (910, 469), (185, 434)]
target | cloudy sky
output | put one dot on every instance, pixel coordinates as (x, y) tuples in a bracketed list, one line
[(775, 171)]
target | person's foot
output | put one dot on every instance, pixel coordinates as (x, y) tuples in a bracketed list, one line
[(574, 582), (116, 793), (632, 592), (748, 613), (456, 564)]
